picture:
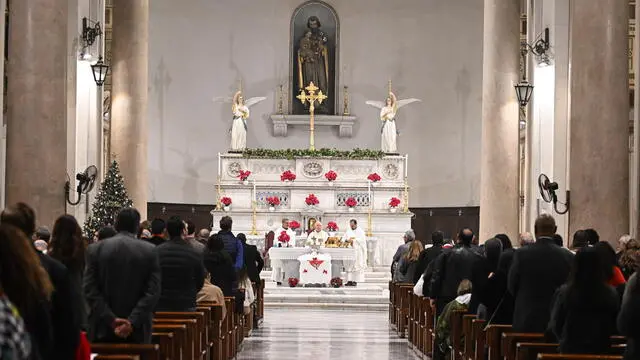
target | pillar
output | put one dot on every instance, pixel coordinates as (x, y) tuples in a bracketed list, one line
[(635, 175), (599, 117), (130, 49), (499, 198), (36, 106)]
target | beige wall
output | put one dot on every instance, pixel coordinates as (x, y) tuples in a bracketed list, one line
[(432, 50)]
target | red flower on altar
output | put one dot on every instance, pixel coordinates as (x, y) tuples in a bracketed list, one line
[(332, 226), (315, 262), (351, 202), (287, 176), (273, 200), (294, 224), (293, 282), (305, 271), (374, 177), (284, 237), (311, 200), (226, 201), (336, 282), (244, 175), (331, 175), (394, 202)]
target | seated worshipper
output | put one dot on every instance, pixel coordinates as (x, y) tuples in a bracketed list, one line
[(182, 272), (408, 263), (211, 293), (356, 268), (219, 265), (408, 237), (317, 237), (292, 235), (443, 326), (158, 229), (584, 313)]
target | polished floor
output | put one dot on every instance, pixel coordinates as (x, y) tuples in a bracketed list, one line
[(288, 334)]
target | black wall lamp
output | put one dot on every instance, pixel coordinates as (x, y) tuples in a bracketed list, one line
[(90, 32)]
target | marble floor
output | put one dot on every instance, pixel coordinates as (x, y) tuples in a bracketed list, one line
[(324, 334)]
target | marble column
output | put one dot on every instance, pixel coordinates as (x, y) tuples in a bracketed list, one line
[(635, 174), (130, 49), (36, 106), (599, 117), (499, 198)]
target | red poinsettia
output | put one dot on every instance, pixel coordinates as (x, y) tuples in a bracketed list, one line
[(226, 201), (374, 177), (244, 175), (273, 200), (312, 200), (331, 175), (284, 237), (305, 271), (293, 282), (351, 202), (287, 176), (332, 226), (394, 202), (336, 282), (294, 224)]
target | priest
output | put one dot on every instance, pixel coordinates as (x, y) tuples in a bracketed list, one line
[(282, 272), (284, 228), (355, 269), (317, 237)]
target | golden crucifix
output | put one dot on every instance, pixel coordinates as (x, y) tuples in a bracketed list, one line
[(311, 97)]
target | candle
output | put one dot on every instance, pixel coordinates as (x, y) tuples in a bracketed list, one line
[(406, 165), (254, 191), (219, 166), (369, 192)]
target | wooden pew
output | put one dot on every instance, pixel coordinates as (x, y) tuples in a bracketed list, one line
[(578, 357), (467, 333), (456, 334), (430, 326), (510, 341), (168, 344), (143, 351), (215, 325), (190, 348), (479, 340), (180, 337), (402, 294), (201, 335), (493, 336), (117, 357), (392, 307), (530, 351)]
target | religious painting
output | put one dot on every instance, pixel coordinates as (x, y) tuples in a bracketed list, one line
[(314, 54)]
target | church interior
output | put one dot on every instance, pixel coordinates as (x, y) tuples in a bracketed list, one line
[(336, 135)]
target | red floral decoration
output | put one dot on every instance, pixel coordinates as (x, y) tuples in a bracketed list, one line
[(332, 226), (305, 271), (244, 175), (287, 176), (331, 175), (351, 202), (336, 282), (315, 262), (273, 200), (311, 200), (394, 202), (226, 201), (294, 224), (374, 177), (325, 272), (284, 237), (293, 282)]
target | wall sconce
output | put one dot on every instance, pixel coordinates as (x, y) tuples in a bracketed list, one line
[(90, 33), (540, 49), (100, 70), (524, 90)]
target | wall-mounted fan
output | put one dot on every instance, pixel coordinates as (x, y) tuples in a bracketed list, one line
[(548, 190), (86, 182)]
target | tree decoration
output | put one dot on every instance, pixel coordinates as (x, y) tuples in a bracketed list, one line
[(111, 198)]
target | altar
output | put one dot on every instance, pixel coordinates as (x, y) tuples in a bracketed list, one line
[(311, 267)]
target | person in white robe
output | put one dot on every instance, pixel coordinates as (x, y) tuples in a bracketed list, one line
[(317, 237), (355, 269), (281, 273)]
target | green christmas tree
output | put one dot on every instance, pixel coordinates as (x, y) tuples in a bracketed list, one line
[(112, 197)]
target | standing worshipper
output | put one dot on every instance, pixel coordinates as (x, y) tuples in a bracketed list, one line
[(356, 269), (232, 245), (158, 228), (252, 259), (426, 258), (122, 284), (484, 268), (191, 237), (408, 237)]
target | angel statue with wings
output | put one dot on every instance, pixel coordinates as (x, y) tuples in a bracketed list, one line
[(388, 111), (240, 110)]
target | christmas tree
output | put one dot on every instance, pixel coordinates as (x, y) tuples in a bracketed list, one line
[(112, 197)]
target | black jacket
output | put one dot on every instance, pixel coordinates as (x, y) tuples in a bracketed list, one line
[(182, 275), (223, 275), (156, 240), (450, 268), (629, 318), (495, 296), (426, 257), (584, 322), (253, 262), (121, 280), (538, 270)]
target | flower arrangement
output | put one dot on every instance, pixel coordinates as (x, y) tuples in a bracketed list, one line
[(351, 202), (226, 201), (287, 176), (284, 237), (331, 175), (394, 202), (294, 224), (311, 200), (374, 177), (355, 154), (332, 226), (243, 175), (336, 282), (273, 200), (293, 282)]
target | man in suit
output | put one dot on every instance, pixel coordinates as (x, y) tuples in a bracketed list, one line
[(232, 245), (252, 259), (122, 284), (427, 256), (536, 273)]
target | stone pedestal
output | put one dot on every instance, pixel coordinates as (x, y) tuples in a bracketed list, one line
[(599, 135), (36, 110)]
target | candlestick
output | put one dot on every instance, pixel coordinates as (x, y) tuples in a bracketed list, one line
[(219, 166), (406, 165), (406, 195), (254, 230), (218, 194)]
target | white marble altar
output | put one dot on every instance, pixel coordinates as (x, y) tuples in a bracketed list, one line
[(250, 211)]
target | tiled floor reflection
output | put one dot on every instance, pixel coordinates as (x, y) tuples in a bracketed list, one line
[(324, 334)]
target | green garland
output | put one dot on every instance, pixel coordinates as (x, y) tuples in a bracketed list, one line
[(357, 154)]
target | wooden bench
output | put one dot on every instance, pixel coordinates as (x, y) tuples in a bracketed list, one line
[(142, 351), (578, 357), (530, 351), (200, 336), (189, 347), (216, 333), (117, 357), (179, 335)]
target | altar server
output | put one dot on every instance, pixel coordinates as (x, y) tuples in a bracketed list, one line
[(292, 235), (317, 237), (355, 269)]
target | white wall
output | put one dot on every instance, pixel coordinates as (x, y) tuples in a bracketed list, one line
[(432, 50)]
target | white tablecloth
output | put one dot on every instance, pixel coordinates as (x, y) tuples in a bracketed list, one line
[(277, 255), (315, 268)]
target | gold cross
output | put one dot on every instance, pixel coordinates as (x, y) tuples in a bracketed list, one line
[(311, 97)]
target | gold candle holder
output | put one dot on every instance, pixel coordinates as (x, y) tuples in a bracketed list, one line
[(218, 194), (369, 233), (254, 229), (406, 195), (280, 109), (345, 101)]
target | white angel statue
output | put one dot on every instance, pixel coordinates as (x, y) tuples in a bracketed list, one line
[(240, 111), (388, 111)]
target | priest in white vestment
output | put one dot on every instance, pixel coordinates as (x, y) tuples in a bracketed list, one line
[(317, 237), (288, 269), (292, 235), (355, 269)]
